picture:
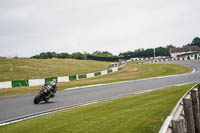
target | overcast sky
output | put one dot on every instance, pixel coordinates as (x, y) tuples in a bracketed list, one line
[(28, 27)]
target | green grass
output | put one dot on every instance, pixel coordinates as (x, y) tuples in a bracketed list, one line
[(43, 68), (130, 72), (142, 113)]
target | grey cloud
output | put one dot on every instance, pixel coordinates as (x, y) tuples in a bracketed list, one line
[(32, 26)]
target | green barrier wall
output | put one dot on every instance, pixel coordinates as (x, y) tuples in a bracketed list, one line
[(195, 56), (72, 77), (19, 83), (97, 73), (82, 76), (51, 79), (119, 68), (109, 70)]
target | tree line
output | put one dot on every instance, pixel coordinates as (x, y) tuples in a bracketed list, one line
[(76, 55), (144, 53), (49, 55)]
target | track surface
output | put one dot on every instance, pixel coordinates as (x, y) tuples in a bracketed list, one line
[(23, 105)]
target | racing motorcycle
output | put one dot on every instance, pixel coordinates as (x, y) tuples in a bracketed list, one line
[(46, 92)]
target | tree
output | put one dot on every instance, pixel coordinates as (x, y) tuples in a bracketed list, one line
[(127, 54), (196, 41), (170, 46), (78, 55), (51, 55), (107, 54), (102, 54), (63, 55), (161, 51), (149, 52), (43, 56)]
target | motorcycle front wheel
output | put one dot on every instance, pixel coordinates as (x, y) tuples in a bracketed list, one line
[(37, 99)]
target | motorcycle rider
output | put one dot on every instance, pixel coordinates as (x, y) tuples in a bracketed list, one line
[(47, 91), (51, 88)]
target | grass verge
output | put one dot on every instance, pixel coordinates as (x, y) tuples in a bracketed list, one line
[(130, 72), (24, 69), (142, 113)]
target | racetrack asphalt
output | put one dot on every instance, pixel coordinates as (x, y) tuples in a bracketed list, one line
[(14, 107)]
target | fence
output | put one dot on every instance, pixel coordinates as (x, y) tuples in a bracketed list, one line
[(185, 117), (188, 57), (114, 59)]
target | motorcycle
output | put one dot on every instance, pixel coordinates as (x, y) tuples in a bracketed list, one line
[(47, 91)]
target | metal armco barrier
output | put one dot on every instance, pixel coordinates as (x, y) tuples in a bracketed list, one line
[(185, 117)]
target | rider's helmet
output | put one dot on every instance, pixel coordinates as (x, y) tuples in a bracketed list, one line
[(53, 82)]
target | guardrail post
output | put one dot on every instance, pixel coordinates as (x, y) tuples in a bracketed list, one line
[(189, 117), (178, 126), (199, 95), (195, 110)]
